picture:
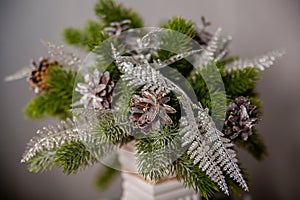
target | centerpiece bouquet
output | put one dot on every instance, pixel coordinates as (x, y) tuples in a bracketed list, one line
[(173, 93)]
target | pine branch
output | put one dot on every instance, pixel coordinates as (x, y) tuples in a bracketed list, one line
[(50, 138), (113, 131), (180, 25), (42, 161), (183, 32), (57, 100), (192, 177), (110, 11), (73, 156), (157, 152), (246, 79), (89, 36), (71, 144)]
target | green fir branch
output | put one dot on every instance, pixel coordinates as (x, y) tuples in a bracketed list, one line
[(241, 82), (57, 100), (180, 26), (193, 177), (43, 161), (73, 156), (110, 11), (156, 152), (88, 37), (108, 127)]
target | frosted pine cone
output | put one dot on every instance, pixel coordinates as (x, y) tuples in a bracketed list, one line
[(37, 79), (150, 110), (97, 90), (241, 116), (116, 28), (202, 36)]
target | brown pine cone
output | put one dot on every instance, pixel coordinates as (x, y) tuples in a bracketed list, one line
[(150, 110), (40, 72), (241, 116)]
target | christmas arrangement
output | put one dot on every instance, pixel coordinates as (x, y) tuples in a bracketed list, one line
[(174, 92)]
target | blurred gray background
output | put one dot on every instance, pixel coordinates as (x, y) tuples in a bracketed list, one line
[(256, 26)]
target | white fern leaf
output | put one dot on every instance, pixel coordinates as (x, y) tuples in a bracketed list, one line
[(260, 62)]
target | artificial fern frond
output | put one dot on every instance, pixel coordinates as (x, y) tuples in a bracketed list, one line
[(210, 151), (261, 62)]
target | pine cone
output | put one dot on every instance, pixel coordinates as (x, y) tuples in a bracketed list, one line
[(97, 90), (202, 36), (37, 80), (149, 110), (116, 28), (241, 116)]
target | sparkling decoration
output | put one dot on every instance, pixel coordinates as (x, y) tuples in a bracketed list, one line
[(261, 62), (97, 90), (40, 71), (241, 116), (51, 137), (67, 59), (150, 110)]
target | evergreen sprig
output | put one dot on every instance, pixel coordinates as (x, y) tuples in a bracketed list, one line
[(156, 153), (73, 156), (110, 11), (240, 83), (87, 37), (57, 100), (170, 46), (186, 171)]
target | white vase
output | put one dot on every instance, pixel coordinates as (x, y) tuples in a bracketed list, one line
[(135, 187)]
